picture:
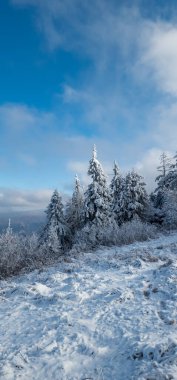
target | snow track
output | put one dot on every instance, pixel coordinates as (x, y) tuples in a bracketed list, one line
[(107, 315)]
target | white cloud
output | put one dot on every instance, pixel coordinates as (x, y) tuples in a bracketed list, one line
[(147, 167), (165, 131), (16, 116), (100, 109), (80, 168), (18, 200), (158, 48)]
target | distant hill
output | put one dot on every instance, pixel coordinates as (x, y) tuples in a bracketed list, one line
[(26, 221)]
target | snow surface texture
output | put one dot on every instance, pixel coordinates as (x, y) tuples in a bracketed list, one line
[(107, 315)]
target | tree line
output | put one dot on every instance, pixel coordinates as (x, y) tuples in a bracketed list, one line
[(105, 214), (95, 216)]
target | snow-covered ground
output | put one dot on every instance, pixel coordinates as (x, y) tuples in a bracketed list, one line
[(107, 315)]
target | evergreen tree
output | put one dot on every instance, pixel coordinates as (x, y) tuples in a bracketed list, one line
[(163, 181), (117, 192), (56, 232), (74, 208), (97, 197), (135, 196), (100, 226)]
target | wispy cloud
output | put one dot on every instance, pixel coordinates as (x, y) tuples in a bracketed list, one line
[(147, 166), (15, 116), (116, 37), (164, 121), (158, 58), (95, 28), (19, 117)]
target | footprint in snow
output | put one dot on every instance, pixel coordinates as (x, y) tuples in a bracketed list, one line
[(165, 318), (164, 314)]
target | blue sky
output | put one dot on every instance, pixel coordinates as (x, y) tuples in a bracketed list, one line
[(74, 73)]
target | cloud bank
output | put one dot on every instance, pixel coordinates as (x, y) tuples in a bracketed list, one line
[(23, 200)]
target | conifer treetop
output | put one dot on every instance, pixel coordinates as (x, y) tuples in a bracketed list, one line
[(116, 169), (94, 152), (95, 169), (77, 182), (77, 187)]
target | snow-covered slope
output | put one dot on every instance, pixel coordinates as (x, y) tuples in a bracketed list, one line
[(107, 315)]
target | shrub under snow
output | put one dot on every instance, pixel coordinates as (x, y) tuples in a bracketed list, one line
[(16, 252), (22, 253), (91, 237), (135, 231)]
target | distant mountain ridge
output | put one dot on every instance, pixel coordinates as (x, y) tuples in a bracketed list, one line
[(23, 221)]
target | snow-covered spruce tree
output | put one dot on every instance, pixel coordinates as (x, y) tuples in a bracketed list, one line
[(135, 197), (55, 235), (99, 225), (117, 194), (97, 196), (163, 181), (74, 208)]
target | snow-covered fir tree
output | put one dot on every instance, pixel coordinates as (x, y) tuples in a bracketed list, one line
[(163, 181), (117, 194), (99, 224), (135, 196), (97, 196), (56, 232), (74, 208)]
